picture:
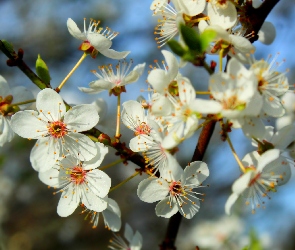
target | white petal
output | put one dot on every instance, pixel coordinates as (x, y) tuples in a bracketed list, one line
[(79, 145), (44, 155), (75, 31), (111, 220), (99, 42), (171, 63), (189, 207), (241, 184), (98, 182), (136, 242), (253, 127), (267, 33), (95, 162), (68, 202), (163, 208), (112, 215), (267, 157), (50, 178), (224, 17), (101, 84), (171, 170), (133, 114), (195, 173), (159, 80), (27, 125), (81, 118), (92, 202), (283, 137), (192, 7), (90, 90), (206, 106), (50, 104), (128, 232), (152, 189), (230, 201), (187, 93), (110, 53), (6, 132)]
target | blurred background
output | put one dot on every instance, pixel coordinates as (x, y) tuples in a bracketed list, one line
[(28, 218)]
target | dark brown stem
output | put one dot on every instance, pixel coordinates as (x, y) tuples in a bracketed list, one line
[(257, 16)]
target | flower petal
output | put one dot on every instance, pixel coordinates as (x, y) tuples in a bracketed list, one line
[(81, 118), (27, 125), (95, 162), (110, 53), (163, 208), (44, 154), (195, 173), (50, 104), (68, 202), (92, 202), (75, 31), (152, 189)]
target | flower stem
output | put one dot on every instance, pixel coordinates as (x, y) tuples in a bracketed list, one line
[(71, 72), (123, 182), (25, 102), (203, 92), (235, 154), (118, 117), (111, 164), (220, 60)]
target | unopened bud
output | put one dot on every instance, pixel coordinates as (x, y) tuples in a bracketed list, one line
[(104, 138)]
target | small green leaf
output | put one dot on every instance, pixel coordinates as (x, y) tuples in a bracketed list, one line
[(191, 38), (8, 46), (206, 38), (176, 47), (42, 70)]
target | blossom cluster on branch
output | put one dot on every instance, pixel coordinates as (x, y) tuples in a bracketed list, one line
[(243, 94)]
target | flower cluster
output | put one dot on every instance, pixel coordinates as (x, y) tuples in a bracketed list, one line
[(244, 94)]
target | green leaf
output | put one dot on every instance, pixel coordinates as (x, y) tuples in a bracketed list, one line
[(8, 46), (191, 38), (176, 47), (206, 38), (42, 70), (255, 243)]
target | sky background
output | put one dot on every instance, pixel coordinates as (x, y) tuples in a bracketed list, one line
[(28, 218)]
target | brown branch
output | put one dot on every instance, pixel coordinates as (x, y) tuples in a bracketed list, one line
[(257, 16)]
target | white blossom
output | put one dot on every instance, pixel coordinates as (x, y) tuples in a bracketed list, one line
[(79, 182), (177, 194), (263, 174), (97, 38), (109, 80), (56, 131)]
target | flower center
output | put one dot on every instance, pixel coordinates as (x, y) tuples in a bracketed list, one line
[(175, 188), (57, 129), (143, 128), (233, 103), (78, 175)]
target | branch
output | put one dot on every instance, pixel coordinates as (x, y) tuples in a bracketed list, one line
[(16, 59), (257, 16)]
